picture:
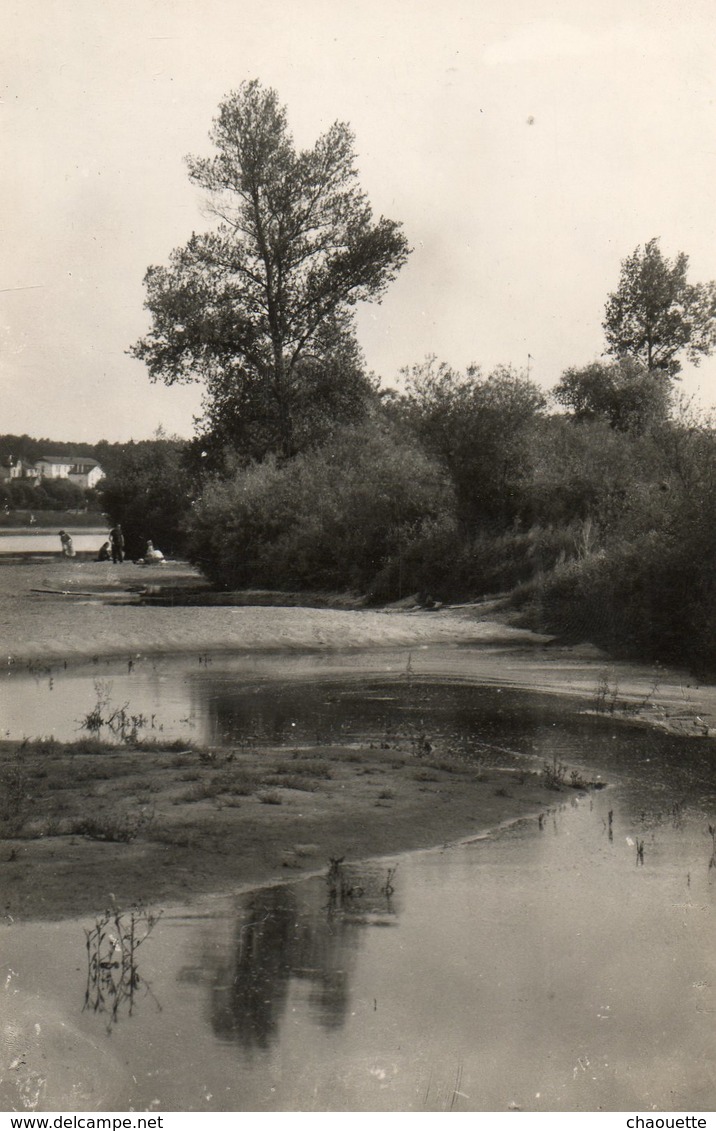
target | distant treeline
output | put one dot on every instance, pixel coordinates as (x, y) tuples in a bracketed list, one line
[(25, 447), (25, 496)]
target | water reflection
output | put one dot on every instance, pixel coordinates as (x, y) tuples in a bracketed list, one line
[(229, 702), (478, 719), (295, 936), (551, 966), (248, 995), (113, 979)]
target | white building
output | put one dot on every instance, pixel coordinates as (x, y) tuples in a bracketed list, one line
[(82, 470), (17, 469), (86, 472), (54, 467)]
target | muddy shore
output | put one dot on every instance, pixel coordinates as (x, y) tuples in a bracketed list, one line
[(161, 825)]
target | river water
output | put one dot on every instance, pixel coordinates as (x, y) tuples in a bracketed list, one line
[(48, 542), (565, 963)]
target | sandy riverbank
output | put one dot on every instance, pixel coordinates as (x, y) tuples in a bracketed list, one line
[(73, 610), (57, 611), (163, 825)]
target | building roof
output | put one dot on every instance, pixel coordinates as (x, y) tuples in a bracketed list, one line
[(71, 461)]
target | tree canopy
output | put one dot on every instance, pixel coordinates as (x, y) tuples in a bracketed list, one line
[(240, 424), (655, 314), (480, 428), (263, 303), (628, 396)]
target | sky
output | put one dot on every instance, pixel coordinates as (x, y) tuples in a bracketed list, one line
[(527, 146)]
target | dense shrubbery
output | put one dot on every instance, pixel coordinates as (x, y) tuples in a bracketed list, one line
[(49, 495), (646, 598), (461, 487), (445, 564), (482, 430), (390, 508), (343, 515), (61, 494), (613, 540), (22, 493), (624, 393), (588, 470), (647, 585)]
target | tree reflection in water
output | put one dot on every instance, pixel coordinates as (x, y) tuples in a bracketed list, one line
[(286, 935)]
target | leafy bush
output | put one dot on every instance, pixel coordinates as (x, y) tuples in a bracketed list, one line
[(61, 494), (481, 429), (444, 563), (586, 469), (23, 494), (630, 397), (332, 517), (643, 580), (653, 597), (48, 495)]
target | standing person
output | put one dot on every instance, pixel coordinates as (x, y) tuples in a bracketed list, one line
[(116, 538), (68, 550)]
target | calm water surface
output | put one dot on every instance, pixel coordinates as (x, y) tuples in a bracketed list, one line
[(44, 541), (549, 966)]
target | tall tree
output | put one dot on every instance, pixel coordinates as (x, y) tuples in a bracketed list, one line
[(655, 314), (240, 424), (267, 296)]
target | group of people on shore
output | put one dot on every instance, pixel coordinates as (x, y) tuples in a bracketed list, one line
[(113, 549)]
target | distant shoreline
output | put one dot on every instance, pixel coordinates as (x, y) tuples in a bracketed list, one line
[(63, 523)]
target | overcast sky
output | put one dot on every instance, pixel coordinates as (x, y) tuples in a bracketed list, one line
[(527, 146)]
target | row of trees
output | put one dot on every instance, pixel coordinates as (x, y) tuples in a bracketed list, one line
[(29, 449), (304, 473), (50, 495)]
